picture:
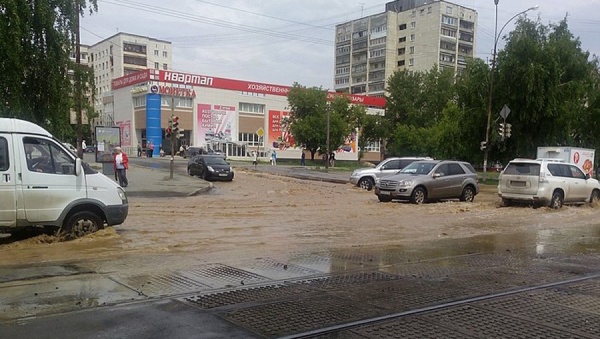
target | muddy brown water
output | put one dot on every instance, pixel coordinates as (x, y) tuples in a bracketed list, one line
[(259, 215)]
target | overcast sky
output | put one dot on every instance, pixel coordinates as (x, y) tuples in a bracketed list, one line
[(286, 41)]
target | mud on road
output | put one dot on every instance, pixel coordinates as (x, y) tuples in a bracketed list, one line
[(263, 215)]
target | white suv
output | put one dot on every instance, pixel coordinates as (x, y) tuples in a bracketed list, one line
[(549, 182), (365, 177)]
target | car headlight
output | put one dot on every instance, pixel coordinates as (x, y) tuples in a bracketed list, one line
[(210, 168), (405, 183), (377, 181), (122, 195)]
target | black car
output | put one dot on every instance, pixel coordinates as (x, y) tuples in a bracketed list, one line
[(210, 167)]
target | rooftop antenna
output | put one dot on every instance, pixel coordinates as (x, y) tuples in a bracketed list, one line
[(362, 6)]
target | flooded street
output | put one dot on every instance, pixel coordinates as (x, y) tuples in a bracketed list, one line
[(265, 229)]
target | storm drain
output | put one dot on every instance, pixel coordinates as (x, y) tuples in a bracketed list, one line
[(568, 298), (489, 324), (565, 318), (591, 287), (353, 279), (220, 276), (276, 270), (162, 284), (262, 293), (288, 317)]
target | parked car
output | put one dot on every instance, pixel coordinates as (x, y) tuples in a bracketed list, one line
[(365, 177), (90, 149), (70, 147), (210, 167), (550, 182), (422, 181)]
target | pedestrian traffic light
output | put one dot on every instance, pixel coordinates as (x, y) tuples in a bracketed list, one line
[(483, 146), (168, 132), (507, 130), (501, 130), (179, 133)]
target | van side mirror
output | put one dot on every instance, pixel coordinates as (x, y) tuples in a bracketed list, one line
[(587, 176), (78, 167)]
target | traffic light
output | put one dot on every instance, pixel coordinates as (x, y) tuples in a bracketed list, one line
[(175, 124), (483, 146), (179, 134), (168, 133), (507, 130), (171, 122), (501, 130)]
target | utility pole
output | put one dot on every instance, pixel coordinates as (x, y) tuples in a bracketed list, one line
[(77, 82), (172, 139), (327, 155)]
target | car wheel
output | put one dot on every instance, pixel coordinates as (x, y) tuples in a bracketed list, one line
[(468, 194), (418, 196), (557, 200), (82, 223), (366, 183), (190, 172), (384, 198), (595, 198)]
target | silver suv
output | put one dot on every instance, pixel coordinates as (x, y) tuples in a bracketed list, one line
[(365, 177), (422, 181), (549, 182)]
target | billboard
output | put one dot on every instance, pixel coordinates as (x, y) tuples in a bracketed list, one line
[(279, 133), (215, 123), (107, 138)]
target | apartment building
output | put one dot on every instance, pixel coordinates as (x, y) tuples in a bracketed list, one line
[(120, 55), (410, 34)]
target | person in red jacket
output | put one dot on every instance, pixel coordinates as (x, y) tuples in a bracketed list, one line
[(121, 165)]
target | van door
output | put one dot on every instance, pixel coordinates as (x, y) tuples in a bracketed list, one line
[(49, 182), (8, 204)]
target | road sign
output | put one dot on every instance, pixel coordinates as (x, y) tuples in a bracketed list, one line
[(505, 112), (260, 132)]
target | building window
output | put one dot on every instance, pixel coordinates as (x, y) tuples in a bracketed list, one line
[(448, 20), (429, 9), (412, 37), (139, 101), (131, 60), (413, 24), (449, 32), (156, 65), (448, 9), (412, 49), (403, 39), (411, 62), (401, 63), (401, 51), (372, 147), (184, 102), (156, 52), (342, 81), (402, 27), (134, 48), (165, 54), (342, 70), (165, 67), (252, 139), (251, 108), (377, 53)]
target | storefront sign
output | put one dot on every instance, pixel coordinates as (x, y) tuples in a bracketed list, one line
[(177, 92), (131, 79)]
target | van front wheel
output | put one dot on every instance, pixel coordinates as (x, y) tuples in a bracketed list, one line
[(82, 223)]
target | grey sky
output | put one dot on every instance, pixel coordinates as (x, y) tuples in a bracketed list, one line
[(285, 41)]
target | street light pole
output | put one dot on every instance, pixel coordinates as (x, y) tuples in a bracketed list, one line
[(491, 91)]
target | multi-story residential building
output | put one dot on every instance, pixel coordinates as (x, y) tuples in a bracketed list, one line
[(410, 34), (120, 55)]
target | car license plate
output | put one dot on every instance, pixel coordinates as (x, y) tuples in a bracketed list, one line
[(384, 193), (222, 174), (518, 183)]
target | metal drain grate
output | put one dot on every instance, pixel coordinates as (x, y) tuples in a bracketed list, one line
[(488, 324), (289, 317), (588, 287), (566, 318), (220, 276), (572, 299), (345, 280), (248, 295), (276, 270), (162, 284)]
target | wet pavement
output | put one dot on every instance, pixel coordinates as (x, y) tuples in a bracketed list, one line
[(527, 284)]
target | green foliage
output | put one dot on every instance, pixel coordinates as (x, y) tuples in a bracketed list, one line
[(36, 39)]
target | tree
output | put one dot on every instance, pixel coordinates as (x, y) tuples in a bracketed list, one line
[(36, 40)]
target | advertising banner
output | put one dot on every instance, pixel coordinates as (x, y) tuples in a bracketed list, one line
[(125, 127), (279, 131), (215, 123), (107, 138)]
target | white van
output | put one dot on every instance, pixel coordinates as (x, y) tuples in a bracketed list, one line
[(43, 184)]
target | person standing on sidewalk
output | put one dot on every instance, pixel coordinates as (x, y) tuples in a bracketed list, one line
[(139, 150), (150, 147), (121, 165), (274, 158)]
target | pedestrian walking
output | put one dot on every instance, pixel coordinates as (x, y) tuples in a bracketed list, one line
[(150, 147), (83, 145), (303, 159), (274, 158), (139, 150), (332, 159), (121, 164), (255, 162)]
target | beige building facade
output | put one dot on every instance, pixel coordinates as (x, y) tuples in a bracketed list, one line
[(415, 35)]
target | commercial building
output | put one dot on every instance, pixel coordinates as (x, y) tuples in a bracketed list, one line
[(235, 116), (120, 55), (410, 34)]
